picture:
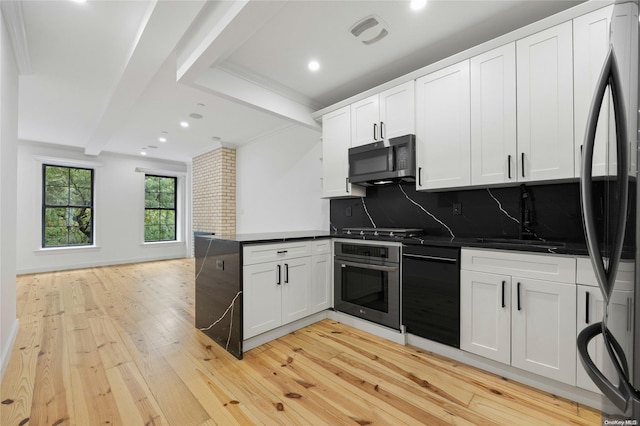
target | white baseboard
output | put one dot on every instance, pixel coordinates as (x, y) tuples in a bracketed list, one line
[(86, 265), (6, 351)]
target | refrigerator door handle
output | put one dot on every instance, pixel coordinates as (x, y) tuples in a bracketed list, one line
[(609, 76), (621, 395)]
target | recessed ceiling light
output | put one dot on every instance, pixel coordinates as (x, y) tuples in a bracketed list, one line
[(79, 1), (143, 153), (184, 124), (418, 4), (195, 115), (162, 139), (314, 65)]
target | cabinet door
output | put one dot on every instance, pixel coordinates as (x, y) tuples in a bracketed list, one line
[(398, 111), (485, 315), (296, 289), (443, 154), (591, 44), (493, 116), (321, 283), (365, 121), (624, 37), (262, 300), (545, 104), (336, 140), (590, 310), (543, 328)]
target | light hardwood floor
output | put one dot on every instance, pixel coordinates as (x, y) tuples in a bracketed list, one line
[(116, 345)]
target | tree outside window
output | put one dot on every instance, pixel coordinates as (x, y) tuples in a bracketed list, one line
[(160, 208), (67, 206)]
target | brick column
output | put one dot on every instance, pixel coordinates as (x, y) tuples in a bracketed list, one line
[(214, 191)]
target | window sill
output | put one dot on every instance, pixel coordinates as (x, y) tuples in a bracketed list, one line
[(65, 250), (163, 244)]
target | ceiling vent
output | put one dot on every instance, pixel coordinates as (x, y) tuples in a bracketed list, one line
[(369, 30)]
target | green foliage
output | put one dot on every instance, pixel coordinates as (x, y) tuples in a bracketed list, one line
[(160, 205), (68, 206)]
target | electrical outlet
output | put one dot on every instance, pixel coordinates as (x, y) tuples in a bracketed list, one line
[(457, 209)]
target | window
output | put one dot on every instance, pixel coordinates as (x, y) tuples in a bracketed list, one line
[(67, 206), (160, 208)]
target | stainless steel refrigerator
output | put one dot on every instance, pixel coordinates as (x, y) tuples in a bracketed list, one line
[(609, 348)]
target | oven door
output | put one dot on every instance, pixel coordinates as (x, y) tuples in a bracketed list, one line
[(368, 291)]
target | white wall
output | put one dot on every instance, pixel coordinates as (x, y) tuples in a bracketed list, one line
[(118, 214), (8, 194), (278, 183)]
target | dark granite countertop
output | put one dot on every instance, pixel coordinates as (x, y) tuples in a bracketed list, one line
[(268, 237), (579, 249), (504, 244), (568, 248)]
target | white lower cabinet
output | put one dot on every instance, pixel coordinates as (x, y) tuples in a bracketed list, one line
[(591, 310), (321, 278), (523, 321), (485, 315), (262, 298), (543, 328), (278, 292)]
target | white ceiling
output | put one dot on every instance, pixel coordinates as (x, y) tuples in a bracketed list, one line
[(113, 75)]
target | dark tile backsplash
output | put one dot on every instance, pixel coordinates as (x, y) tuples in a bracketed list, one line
[(553, 211)]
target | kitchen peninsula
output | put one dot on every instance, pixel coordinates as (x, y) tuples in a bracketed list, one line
[(229, 309)]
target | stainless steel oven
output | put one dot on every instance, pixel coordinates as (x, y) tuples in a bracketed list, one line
[(367, 281)]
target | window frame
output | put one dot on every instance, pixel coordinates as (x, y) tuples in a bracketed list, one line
[(174, 209), (44, 207)]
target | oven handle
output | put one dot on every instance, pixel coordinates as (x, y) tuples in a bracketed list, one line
[(368, 266), (423, 257)]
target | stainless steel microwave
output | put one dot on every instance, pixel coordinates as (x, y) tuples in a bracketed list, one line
[(383, 162)]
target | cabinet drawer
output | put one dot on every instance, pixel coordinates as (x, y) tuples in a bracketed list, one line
[(526, 265), (259, 253), (624, 279), (321, 246)]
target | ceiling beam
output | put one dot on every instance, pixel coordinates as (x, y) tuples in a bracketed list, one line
[(223, 28), (14, 20), (164, 25), (226, 84)]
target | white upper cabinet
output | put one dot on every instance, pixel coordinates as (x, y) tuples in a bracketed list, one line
[(365, 121), (443, 154), (493, 117), (398, 111), (591, 43), (624, 37), (545, 104), (336, 141), (386, 115), (593, 34)]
